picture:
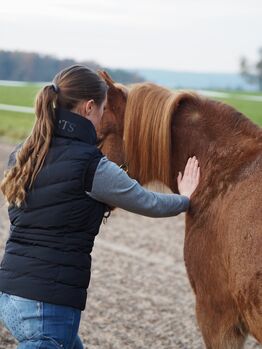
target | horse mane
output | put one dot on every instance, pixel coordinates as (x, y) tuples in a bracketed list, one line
[(148, 117)]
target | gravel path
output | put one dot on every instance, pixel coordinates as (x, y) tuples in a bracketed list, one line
[(139, 295)]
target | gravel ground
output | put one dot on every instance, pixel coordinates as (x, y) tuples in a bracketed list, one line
[(139, 295)]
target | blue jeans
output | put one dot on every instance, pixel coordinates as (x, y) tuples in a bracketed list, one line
[(40, 325)]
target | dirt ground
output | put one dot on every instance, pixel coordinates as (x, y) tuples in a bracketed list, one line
[(139, 296)]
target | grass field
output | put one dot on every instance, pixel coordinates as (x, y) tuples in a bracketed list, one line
[(18, 95), (15, 126)]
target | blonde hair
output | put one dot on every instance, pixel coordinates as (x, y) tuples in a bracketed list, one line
[(71, 86)]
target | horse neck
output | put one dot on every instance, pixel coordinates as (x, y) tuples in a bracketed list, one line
[(221, 138)]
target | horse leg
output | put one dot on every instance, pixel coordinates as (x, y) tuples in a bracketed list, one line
[(249, 300), (254, 321), (255, 324), (220, 325)]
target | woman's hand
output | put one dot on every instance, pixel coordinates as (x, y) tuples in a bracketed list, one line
[(188, 183)]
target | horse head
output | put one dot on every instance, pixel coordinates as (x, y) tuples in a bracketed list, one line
[(110, 131)]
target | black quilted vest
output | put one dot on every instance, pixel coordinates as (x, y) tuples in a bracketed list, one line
[(47, 255)]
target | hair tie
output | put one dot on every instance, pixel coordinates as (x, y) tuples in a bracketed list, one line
[(55, 87)]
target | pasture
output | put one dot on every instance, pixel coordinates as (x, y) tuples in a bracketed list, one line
[(15, 126)]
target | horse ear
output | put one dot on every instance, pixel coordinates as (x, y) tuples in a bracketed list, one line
[(104, 75)]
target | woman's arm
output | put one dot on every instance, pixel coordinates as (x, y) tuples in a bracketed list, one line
[(114, 187)]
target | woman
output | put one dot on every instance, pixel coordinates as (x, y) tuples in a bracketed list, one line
[(58, 186)]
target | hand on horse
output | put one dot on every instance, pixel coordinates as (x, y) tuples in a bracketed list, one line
[(189, 181)]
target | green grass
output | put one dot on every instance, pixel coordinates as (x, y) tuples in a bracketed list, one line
[(242, 93), (19, 95), (16, 126)]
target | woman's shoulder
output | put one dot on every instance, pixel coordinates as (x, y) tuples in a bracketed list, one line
[(87, 151), (74, 148)]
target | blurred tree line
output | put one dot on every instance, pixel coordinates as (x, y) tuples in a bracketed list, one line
[(252, 72), (24, 66)]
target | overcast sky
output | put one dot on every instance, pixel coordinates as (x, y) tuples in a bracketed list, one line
[(184, 35)]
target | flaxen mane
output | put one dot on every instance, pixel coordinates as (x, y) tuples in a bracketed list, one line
[(148, 117)]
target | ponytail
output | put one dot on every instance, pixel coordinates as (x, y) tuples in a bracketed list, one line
[(30, 158)]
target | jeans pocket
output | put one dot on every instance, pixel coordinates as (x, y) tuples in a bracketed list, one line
[(22, 317)]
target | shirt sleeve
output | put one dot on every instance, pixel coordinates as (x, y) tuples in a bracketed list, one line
[(112, 186)]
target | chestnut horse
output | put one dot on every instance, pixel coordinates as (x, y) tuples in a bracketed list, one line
[(154, 131)]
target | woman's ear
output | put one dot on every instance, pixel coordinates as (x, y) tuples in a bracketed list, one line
[(88, 106)]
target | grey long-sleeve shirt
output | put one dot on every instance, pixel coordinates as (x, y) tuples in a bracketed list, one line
[(114, 187)]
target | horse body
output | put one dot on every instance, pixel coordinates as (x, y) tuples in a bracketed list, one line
[(223, 239), (224, 223)]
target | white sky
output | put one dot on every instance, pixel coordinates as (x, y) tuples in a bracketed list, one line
[(185, 35)]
